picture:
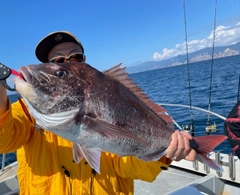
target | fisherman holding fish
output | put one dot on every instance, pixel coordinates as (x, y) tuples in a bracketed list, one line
[(81, 139)]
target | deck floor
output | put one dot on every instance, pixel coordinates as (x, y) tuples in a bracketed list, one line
[(166, 182)]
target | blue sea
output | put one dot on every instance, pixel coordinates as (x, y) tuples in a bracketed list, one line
[(171, 85)]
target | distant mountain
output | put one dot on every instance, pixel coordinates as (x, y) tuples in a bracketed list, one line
[(201, 55)]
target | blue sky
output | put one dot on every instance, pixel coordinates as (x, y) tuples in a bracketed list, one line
[(113, 31)]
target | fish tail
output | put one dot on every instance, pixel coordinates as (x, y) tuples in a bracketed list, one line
[(204, 145)]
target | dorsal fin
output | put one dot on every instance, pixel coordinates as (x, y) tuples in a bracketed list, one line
[(121, 75)]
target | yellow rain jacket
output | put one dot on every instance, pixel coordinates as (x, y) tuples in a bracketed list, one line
[(46, 162)]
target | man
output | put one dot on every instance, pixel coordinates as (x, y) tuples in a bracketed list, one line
[(45, 161)]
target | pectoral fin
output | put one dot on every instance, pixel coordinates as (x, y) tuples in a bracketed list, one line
[(77, 153), (92, 155), (109, 130), (153, 157)]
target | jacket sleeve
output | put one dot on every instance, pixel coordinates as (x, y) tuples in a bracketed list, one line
[(131, 167), (15, 128)]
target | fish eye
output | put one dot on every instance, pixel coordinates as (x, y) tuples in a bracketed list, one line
[(61, 73)]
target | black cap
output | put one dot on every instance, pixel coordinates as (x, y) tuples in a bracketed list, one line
[(51, 40)]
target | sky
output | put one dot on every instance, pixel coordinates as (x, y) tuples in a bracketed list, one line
[(114, 31)]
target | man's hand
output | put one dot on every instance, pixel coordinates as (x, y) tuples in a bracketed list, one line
[(179, 147)]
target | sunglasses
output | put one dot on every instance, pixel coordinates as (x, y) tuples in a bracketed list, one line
[(74, 57)]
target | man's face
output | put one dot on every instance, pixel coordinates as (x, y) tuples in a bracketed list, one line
[(65, 49)]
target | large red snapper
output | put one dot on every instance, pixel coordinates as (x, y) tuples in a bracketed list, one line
[(101, 111)]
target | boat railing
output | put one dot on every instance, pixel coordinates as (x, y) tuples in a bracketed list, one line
[(3, 162), (229, 163), (195, 108)]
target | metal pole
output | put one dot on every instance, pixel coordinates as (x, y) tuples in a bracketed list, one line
[(193, 107), (3, 161)]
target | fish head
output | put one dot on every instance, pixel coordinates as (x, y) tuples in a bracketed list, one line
[(53, 88)]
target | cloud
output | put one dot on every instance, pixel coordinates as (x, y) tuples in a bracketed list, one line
[(224, 35)]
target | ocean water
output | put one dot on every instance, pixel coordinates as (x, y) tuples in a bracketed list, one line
[(171, 85)]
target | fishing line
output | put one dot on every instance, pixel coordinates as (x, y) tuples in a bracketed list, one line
[(238, 95), (211, 72), (238, 89), (189, 84)]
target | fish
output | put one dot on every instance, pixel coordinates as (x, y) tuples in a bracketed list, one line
[(102, 111)]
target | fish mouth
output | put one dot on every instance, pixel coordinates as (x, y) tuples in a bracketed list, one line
[(24, 85), (26, 76)]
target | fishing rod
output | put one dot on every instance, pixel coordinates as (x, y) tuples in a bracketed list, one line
[(208, 127), (189, 127), (238, 89)]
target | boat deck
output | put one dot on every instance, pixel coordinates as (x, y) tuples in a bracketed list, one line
[(177, 181), (166, 182)]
